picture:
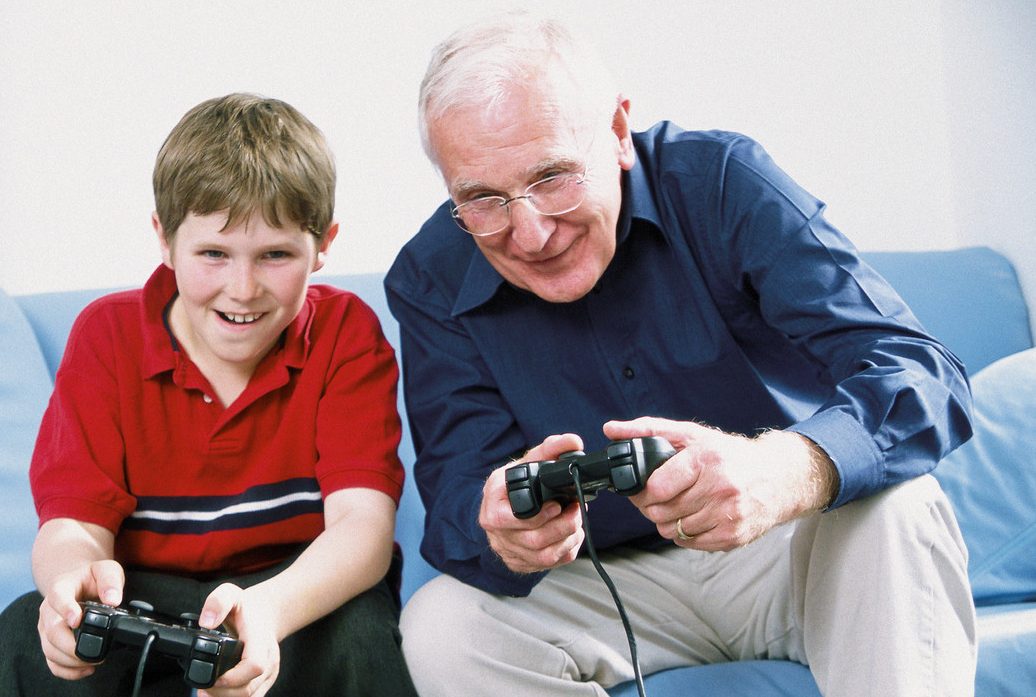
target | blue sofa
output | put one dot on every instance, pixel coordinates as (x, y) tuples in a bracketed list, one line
[(969, 298)]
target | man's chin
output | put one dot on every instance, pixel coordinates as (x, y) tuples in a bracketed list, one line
[(560, 290)]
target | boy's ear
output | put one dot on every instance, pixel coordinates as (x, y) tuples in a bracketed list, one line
[(167, 253), (325, 242)]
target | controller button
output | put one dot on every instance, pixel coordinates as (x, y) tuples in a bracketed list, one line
[(516, 473), (89, 646), (624, 478), (140, 607), (203, 645), (521, 500), (190, 619), (623, 449), (201, 672), (95, 619)]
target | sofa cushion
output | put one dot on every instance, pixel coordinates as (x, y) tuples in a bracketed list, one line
[(25, 387), (991, 481)]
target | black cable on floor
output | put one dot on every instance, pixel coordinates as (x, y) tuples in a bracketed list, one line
[(592, 551)]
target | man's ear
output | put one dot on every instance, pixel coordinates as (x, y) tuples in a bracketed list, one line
[(621, 128), (163, 243), (325, 243)]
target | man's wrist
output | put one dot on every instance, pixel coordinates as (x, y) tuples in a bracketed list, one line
[(818, 488)]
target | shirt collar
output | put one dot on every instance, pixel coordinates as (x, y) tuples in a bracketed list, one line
[(482, 281), (161, 351)]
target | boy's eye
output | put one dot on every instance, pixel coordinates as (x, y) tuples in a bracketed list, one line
[(212, 254), (277, 254)]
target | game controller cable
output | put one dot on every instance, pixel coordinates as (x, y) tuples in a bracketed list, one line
[(592, 551), (151, 638)]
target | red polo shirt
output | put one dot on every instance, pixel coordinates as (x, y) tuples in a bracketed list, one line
[(133, 441)]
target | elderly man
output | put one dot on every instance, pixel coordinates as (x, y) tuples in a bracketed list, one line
[(586, 283)]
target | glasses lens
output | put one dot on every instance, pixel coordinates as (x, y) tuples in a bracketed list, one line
[(557, 195), (483, 216)]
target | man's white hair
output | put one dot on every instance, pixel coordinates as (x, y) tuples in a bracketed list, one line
[(479, 64)]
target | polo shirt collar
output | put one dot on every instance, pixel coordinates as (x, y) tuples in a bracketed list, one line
[(161, 348), (482, 281)]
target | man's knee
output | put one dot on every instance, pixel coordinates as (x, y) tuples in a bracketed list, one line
[(444, 625)]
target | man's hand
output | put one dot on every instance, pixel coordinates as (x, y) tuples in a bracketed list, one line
[(726, 490), (60, 613), (550, 538)]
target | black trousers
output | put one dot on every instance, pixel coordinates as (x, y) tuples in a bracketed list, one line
[(353, 652)]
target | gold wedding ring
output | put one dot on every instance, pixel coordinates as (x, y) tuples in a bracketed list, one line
[(679, 531)]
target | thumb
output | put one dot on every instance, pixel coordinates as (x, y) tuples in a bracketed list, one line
[(218, 606), (553, 447)]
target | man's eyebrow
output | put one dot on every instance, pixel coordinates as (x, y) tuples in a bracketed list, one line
[(466, 187)]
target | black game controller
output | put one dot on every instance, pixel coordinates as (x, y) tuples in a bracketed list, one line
[(205, 654), (623, 466)]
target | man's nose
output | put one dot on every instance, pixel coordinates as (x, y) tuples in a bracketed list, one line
[(530, 229)]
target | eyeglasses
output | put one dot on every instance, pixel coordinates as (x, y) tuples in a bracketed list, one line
[(554, 195)]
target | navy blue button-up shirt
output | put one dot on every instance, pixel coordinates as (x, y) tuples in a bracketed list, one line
[(730, 301)]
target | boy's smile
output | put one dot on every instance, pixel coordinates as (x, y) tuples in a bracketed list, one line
[(239, 287)]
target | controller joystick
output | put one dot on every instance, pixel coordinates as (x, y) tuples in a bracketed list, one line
[(204, 654), (623, 467)]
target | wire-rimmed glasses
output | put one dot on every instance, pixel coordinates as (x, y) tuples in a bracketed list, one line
[(554, 195)]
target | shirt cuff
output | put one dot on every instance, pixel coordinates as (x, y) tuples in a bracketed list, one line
[(856, 457)]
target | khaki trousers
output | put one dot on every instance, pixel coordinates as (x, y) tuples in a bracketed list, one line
[(873, 597)]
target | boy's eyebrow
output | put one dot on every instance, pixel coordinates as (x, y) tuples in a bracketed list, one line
[(465, 187)]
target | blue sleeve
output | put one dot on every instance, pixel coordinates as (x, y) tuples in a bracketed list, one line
[(900, 400), (460, 427)]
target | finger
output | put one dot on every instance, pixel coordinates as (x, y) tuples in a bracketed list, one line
[(553, 447), (58, 645), (108, 581), (63, 601), (670, 489), (678, 433), (238, 677), (219, 605)]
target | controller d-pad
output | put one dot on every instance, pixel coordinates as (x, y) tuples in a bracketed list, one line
[(95, 619), (522, 500), (624, 478), (201, 672), (90, 646), (519, 490), (203, 645), (620, 449)]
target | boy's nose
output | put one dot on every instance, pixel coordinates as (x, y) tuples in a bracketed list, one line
[(243, 283), (530, 230)]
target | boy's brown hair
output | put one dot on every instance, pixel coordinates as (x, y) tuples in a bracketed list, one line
[(244, 153)]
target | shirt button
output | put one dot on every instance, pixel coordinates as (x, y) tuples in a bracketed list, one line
[(207, 399), (628, 373)]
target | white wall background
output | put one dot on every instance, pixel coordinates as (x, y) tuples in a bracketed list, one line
[(912, 119)]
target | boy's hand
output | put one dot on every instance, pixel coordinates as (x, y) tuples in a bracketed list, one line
[(550, 538), (60, 613), (251, 617)]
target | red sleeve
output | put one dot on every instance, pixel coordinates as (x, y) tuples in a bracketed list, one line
[(77, 465), (358, 425)]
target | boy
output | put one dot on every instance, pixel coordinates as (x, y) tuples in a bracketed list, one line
[(223, 441)]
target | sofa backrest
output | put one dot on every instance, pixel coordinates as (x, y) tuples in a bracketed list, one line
[(968, 298)]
